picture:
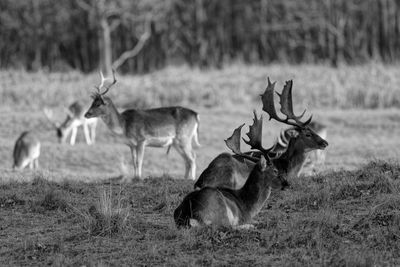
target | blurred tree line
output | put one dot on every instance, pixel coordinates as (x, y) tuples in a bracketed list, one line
[(142, 35)]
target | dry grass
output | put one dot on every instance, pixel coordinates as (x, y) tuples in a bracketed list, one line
[(107, 216), (319, 221), (369, 86), (346, 215)]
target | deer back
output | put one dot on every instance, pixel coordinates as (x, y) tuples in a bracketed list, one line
[(225, 170), (159, 122)]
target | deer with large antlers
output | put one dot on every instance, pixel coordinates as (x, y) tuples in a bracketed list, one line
[(159, 127), (230, 207), (288, 154), (75, 118)]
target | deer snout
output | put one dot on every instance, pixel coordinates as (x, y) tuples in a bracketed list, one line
[(88, 115), (323, 144)]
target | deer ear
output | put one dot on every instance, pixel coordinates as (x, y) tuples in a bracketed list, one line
[(293, 133), (263, 163)]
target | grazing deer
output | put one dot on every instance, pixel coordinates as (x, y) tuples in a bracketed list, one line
[(159, 127), (229, 207), (288, 154), (26, 151), (75, 118)]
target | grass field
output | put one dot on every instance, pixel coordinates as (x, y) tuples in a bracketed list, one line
[(348, 214)]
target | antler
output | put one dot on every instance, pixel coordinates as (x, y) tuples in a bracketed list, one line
[(102, 83), (255, 134), (114, 82), (286, 105), (233, 143)]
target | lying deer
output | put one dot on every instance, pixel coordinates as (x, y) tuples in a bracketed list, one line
[(159, 127), (75, 118), (288, 154), (26, 151), (229, 207)]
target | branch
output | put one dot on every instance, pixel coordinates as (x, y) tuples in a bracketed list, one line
[(85, 6), (134, 51)]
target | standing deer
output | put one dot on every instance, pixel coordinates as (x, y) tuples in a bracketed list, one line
[(75, 118), (229, 207), (288, 154), (159, 127), (26, 151)]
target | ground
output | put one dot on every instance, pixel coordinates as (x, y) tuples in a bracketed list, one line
[(347, 214)]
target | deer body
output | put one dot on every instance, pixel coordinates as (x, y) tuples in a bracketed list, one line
[(26, 151), (229, 207), (159, 127), (75, 118)]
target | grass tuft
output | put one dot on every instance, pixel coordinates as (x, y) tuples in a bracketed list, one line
[(108, 216)]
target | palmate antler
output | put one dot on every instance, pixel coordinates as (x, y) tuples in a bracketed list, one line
[(233, 143), (255, 139), (102, 83), (286, 105), (255, 130)]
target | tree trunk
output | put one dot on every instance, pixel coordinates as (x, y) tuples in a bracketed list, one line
[(105, 48)]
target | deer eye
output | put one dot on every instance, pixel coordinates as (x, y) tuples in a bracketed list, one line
[(308, 134)]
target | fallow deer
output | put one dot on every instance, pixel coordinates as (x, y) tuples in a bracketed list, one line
[(288, 154), (26, 151), (229, 207), (75, 118), (159, 127)]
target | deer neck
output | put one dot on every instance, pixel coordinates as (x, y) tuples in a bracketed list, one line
[(295, 157), (255, 192), (113, 119)]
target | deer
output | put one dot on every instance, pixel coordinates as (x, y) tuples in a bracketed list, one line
[(218, 206), (75, 118), (288, 154), (175, 127), (26, 151)]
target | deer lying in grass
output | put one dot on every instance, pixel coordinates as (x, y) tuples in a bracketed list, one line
[(229, 207), (26, 151), (75, 118), (159, 127), (288, 154)]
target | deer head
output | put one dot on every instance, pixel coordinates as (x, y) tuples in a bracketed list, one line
[(100, 103), (305, 136), (300, 133)]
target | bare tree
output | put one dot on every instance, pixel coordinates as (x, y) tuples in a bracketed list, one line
[(108, 16)]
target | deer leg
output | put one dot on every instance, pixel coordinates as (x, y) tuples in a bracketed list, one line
[(36, 163), (134, 160), (86, 132), (185, 150), (31, 165), (73, 135), (191, 159), (93, 132), (139, 158)]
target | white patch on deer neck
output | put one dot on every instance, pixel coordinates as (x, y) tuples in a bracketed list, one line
[(233, 221)]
